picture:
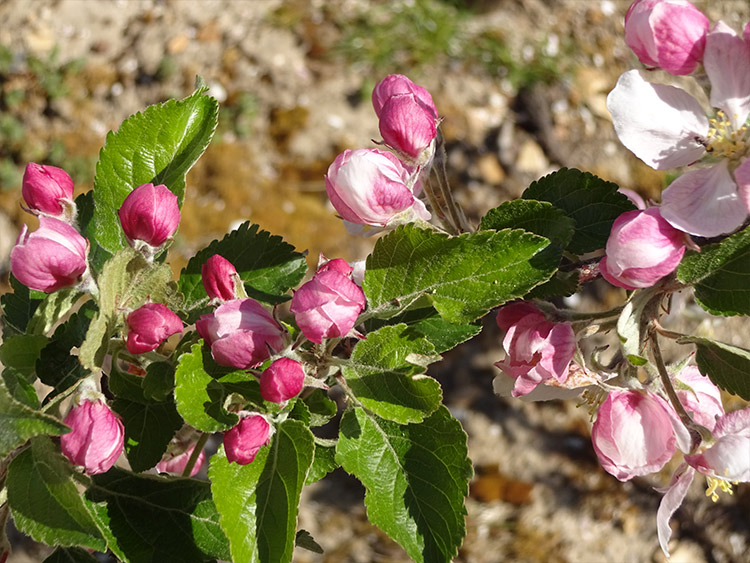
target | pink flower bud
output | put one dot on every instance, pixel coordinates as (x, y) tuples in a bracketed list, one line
[(700, 397), (97, 438), (50, 258), (398, 84), (150, 214), (176, 464), (408, 127), (45, 186), (328, 305), (642, 248), (219, 277), (667, 34), (633, 434), (536, 349), (149, 325), (282, 380), (240, 333), (242, 442), (368, 187)]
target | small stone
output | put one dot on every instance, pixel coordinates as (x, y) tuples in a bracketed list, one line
[(531, 158), (490, 169)]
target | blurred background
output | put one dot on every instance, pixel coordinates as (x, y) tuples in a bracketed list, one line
[(521, 85)]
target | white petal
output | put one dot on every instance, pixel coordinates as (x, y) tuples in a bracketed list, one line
[(670, 502), (658, 123), (704, 202), (727, 63)]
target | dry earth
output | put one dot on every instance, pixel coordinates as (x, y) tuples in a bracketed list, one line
[(294, 102)]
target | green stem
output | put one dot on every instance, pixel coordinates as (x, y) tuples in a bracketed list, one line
[(199, 445)]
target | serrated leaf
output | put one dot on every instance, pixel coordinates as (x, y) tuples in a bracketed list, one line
[(726, 365), (70, 555), (463, 277), (156, 146), (591, 202), (154, 518), (258, 502), (52, 309), (158, 383), (56, 365), (268, 266), (562, 284), (416, 477), (323, 463), (18, 308), (200, 390), (720, 274), (148, 430), (18, 423), (45, 501), (20, 352), (382, 375), (538, 217), (427, 323), (321, 408)]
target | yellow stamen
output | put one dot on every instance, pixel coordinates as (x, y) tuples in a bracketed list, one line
[(713, 484)]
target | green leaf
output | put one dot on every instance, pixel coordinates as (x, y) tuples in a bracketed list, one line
[(70, 555), (562, 284), (323, 463), (384, 372), (20, 352), (268, 266), (721, 275), (18, 308), (416, 477), (201, 389), (18, 423), (156, 146), (56, 366), (322, 409), (591, 202), (464, 276), (45, 501), (258, 502), (127, 281), (726, 365), (153, 518), (632, 325), (148, 430), (427, 323), (158, 383), (538, 217), (52, 309)]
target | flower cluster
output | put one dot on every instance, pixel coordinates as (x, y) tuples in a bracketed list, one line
[(374, 189)]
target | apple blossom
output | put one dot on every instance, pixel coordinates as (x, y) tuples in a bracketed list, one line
[(149, 325), (536, 349), (240, 333), (633, 434), (50, 258), (150, 214), (369, 187), (641, 249), (219, 277), (700, 397), (47, 189), (328, 305), (667, 34), (408, 127), (97, 439), (242, 442), (282, 380), (666, 127), (398, 84), (177, 463)]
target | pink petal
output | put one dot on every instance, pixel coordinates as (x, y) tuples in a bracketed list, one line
[(704, 202), (658, 123), (742, 177), (670, 502), (727, 62)]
